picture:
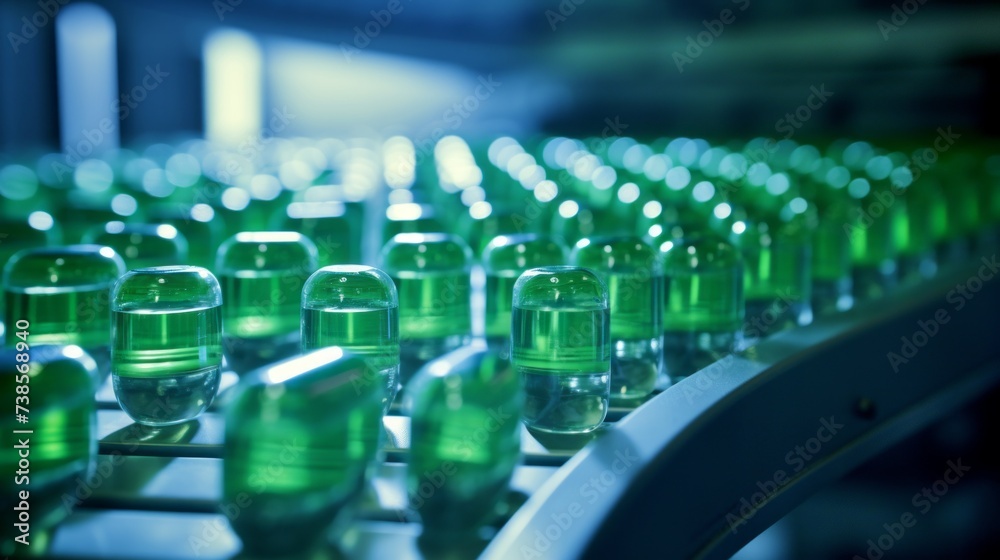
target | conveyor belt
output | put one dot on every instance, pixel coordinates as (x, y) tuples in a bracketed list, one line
[(677, 470)]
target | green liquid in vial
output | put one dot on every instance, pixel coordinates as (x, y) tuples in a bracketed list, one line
[(367, 333), (433, 305), (261, 304), (633, 314), (482, 469), (77, 315), (465, 441), (299, 441), (636, 311), (499, 302), (565, 362), (165, 363)]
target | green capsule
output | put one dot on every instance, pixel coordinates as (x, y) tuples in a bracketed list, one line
[(335, 227), (410, 217), (166, 348), (465, 441), (300, 436), (505, 258), (262, 274), (61, 447), (482, 222), (142, 245), (40, 230), (262, 206), (914, 227), (832, 272), (777, 256), (873, 239), (626, 208), (431, 273), (356, 308), (632, 271), (63, 292), (703, 306), (197, 222), (930, 190), (964, 212), (80, 210), (561, 347), (574, 221)]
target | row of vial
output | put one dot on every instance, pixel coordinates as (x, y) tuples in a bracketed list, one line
[(727, 249), (326, 406), (673, 310), (164, 330), (813, 231)]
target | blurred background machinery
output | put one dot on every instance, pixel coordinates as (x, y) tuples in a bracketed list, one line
[(726, 68)]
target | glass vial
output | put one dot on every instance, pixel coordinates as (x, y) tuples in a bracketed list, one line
[(355, 307), (262, 274), (63, 293), (300, 437), (431, 273), (632, 272), (166, 350), (142, 245), (703, 307), (561, 346), (505, 258), (465, 441)]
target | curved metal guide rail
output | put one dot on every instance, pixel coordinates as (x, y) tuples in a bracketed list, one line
[(708, 464)]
